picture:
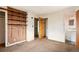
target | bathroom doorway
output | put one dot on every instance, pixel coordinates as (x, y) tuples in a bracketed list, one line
[(71, 30)]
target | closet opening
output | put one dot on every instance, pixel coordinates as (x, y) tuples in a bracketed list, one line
[(2, 29), (36, 28)]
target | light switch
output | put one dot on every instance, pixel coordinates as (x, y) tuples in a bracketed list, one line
[(32, 25)]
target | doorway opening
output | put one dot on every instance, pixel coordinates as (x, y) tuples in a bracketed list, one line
[(40, 28), (70, 30), (36, 28), (2, 29)]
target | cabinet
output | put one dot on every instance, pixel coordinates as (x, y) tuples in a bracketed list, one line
[(16, 25)]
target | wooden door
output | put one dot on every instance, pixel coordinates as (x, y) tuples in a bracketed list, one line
[(41, 28), (77, 29)]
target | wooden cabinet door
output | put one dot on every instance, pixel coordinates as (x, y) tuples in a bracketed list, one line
[(12, 34), (22, 33), (15, 33)]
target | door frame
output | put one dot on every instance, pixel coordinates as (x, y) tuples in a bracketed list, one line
[(34, 27), (6, 26), (46, 27)]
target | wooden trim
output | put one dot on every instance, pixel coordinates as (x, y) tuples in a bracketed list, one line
[(6, 26), (17, 16), (2, 45), (16, 43), (3, 8), (77, 29), (17, 24), (18, 20), (16, 10)]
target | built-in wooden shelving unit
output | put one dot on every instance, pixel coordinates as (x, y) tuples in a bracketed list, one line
[(16, 25)]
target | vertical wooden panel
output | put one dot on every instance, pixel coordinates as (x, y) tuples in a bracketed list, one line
[(77, 32), (14, 33), (41, 28), (22, 33)]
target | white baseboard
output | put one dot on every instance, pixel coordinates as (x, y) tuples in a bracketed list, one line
[(15, 43), (57, 40), (30, 40)]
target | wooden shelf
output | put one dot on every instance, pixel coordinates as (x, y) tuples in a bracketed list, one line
[(18, 20), (18, 24), (16, 11), (17, 15)]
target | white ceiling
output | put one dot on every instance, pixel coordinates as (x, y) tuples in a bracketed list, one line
[(40, 10)]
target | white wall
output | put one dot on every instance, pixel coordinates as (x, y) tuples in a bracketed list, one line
[(56, 30), (30, 27), (58, 24)]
